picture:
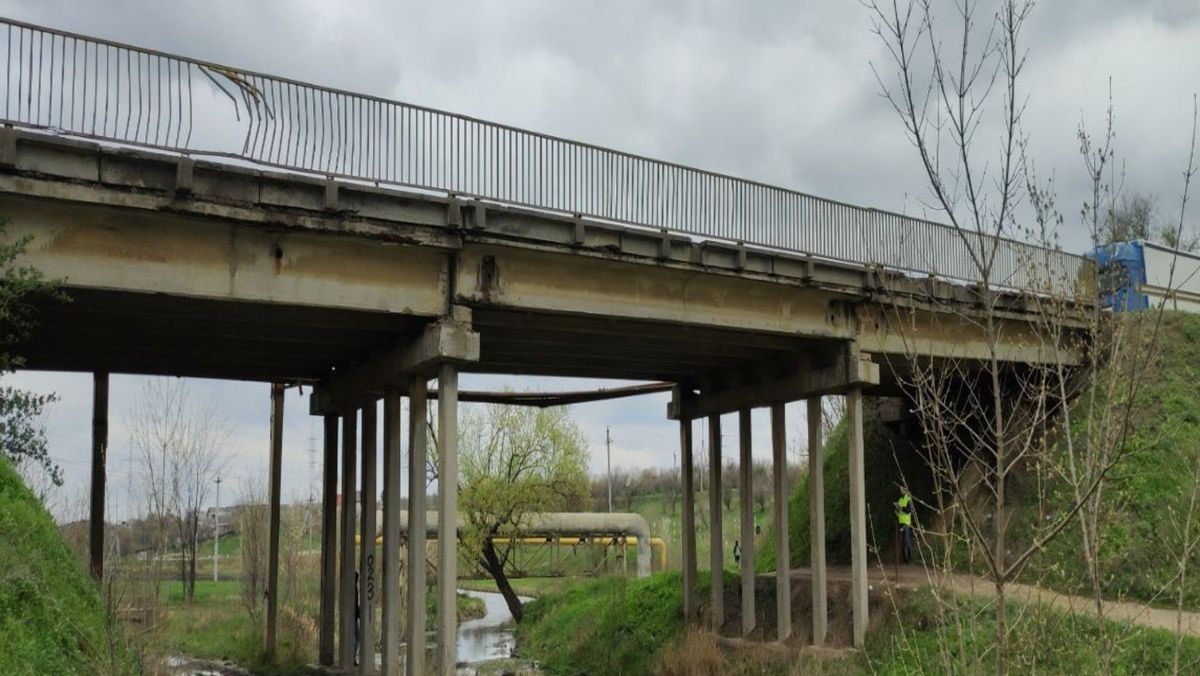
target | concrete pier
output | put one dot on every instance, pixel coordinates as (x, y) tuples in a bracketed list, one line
[(328, 608), (779, 484), (746, 506), (688, 534), (858, 517), (346, 588), (447, 573), (816, 496), (417, 458), (273, 481), (99, 473), (716, 542), (391, 617), (366, 531)]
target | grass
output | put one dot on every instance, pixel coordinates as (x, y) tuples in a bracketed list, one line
[(884, 452), (1147, 492), (623, 625), (929, 637), (52, 619)]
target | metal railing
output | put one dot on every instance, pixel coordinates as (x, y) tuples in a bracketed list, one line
[(100, 89)]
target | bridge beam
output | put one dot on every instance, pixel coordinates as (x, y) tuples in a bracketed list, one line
[(449, 339), (848, 369)]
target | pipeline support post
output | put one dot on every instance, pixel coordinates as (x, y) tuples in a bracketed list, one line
[(816, 495), (346, 591), (689, 521), (447, 573), (366, 529), (99, 473), (716, 540), (746, 505), (329, 478), (783, 580), (858, 516), (417, 540), (391, 533)]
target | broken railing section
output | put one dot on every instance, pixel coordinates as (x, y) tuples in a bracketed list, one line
[(845, 372), (403, 370)]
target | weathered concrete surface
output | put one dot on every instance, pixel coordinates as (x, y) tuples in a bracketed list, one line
[(344, 270)]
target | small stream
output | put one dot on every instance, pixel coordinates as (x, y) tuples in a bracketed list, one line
[(479, 640), (488, 637)]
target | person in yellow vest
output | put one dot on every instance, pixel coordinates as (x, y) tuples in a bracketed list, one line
[(904, 516)]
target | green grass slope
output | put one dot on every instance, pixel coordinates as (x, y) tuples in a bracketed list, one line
[(1145, 501), (888, 457), (52, 620), (608, 625)]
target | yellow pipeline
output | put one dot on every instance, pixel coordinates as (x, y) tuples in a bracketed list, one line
[(657, 545)]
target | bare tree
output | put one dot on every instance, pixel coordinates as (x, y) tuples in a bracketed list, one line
[(987, 420), (181, 447)]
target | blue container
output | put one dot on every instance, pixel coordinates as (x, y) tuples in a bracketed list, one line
[(1122, 267)]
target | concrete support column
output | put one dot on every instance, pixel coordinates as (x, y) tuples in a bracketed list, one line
[(346, 595), (99, 473), (273, 487), (783, 580), (858, 517), (391, 533), (417, 438), (716, 541), (366, 535), (447, 573), (816, 507), (689, 521), (329, 478), (746, 505)]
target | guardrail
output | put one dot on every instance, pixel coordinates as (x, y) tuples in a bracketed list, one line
[(96, 88)]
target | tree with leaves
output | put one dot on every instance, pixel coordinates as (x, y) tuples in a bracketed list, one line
[(514, 463)]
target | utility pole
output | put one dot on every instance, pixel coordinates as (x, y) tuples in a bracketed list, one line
[(608, 452), (216, 528)]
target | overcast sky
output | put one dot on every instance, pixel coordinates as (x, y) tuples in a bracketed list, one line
[(777, 91)]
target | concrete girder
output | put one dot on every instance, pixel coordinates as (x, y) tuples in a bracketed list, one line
[(849, 369), (499, 276), (169, 253), (449, 340)]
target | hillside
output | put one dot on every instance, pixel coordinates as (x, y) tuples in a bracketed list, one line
[(889, 454), (52, 620), (1145, 501)]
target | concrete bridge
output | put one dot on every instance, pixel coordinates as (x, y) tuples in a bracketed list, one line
[(366, 247)]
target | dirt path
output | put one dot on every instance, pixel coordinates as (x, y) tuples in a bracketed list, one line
[(913, 577)]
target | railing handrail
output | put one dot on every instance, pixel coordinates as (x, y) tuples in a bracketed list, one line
[(645, 179)]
